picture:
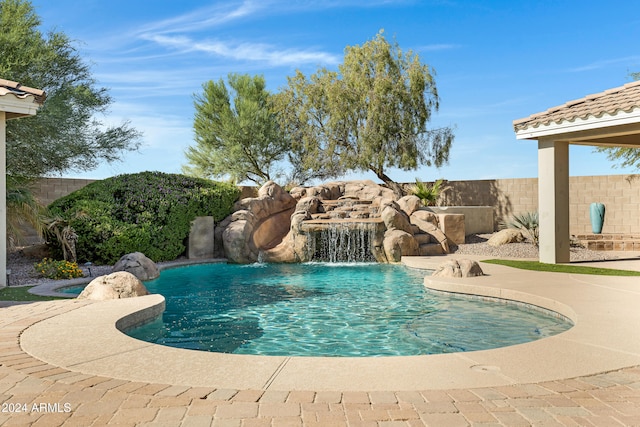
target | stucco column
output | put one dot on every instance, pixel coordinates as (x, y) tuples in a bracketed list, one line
[(553, 201), (3, 200)]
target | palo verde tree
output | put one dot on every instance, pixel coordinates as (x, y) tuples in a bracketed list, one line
[(370, 115), (236, 132), (67, 133)]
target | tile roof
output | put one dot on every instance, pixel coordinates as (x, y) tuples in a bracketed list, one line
[(19, 91), (624, 98)]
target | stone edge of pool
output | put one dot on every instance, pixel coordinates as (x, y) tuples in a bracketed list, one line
[(604, 310)]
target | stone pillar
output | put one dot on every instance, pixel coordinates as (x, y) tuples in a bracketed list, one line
[(553, 201), (201, 238)]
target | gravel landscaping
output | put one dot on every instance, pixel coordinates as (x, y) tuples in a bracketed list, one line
[(477, 245)]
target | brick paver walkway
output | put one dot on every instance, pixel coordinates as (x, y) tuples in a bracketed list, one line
[(35, 393)]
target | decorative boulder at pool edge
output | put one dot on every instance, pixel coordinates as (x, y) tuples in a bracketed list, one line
[(116, 285), (458, 268), (139, 265)]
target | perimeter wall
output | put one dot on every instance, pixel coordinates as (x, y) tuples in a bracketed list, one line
[(619, 193)]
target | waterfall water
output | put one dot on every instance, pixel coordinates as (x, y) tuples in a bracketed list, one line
[(342, 242)]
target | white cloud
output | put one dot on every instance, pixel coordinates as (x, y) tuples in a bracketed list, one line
[(244, 51), (205, 18), (605, 63), (438, 47)]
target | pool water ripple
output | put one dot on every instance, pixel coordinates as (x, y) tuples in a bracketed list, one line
[(320, 309)]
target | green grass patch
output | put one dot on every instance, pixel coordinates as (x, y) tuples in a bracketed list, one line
[(21, 293), (562, 268)]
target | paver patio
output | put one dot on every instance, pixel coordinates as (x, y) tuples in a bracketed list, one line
[(73, 394)]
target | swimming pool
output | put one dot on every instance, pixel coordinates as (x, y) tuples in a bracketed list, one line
[(328, 309)]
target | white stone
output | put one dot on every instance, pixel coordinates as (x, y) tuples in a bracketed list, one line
[(116, 285)]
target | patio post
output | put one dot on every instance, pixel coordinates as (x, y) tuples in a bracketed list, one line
[(553, 200)]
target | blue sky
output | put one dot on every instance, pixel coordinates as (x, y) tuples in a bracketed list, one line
[(495, 61)]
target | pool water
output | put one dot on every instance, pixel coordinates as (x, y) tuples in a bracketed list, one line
[(325, 309)]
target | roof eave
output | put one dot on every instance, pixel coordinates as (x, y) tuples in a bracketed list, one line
[(566, 127), (18, 107)]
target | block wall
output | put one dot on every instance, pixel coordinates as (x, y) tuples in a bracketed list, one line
[(47, 190), (619, 193)]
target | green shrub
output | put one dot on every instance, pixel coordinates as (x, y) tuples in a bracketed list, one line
[(148, 212), (57, 270), (429, 194)]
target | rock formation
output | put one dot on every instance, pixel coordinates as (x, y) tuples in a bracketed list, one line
[(293, 227)]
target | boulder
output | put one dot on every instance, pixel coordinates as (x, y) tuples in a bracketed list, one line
[(503, 237), (458, 268), (394, 218), (423, 217), (409, 204), (120, 284), (139, 265), (310, 204), (398, 243)]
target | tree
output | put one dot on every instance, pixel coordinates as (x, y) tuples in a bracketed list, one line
[(66, 134), (371, 114), (236, 132)]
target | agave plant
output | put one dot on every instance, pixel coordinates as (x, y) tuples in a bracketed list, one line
[(429, 194), (527, 223)]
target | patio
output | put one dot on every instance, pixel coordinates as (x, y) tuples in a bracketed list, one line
[(588, 375)]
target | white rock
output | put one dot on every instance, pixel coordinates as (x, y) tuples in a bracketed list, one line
[(114, 286)]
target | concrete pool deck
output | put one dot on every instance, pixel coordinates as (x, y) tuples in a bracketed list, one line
[(589, 375)]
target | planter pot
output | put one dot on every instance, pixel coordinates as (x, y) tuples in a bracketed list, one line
[(596, 212)]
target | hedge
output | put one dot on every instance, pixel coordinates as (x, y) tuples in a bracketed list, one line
[(148, 212)]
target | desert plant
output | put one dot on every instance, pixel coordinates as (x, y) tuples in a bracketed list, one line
[(527, 223), (57, 270), (429, 194), (64, 233)]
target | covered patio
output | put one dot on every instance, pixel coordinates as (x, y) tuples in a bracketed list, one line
[(610, 118)]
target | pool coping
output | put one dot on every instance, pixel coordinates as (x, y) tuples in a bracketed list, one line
[(603, 308)]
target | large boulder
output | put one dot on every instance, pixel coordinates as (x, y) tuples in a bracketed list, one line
[(394, 218), (116, 285), (139, 265), (410, 204), (506, 236), (458, 268), (398, 243)]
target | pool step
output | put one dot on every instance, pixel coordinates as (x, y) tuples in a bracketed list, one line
[(610, 242)]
